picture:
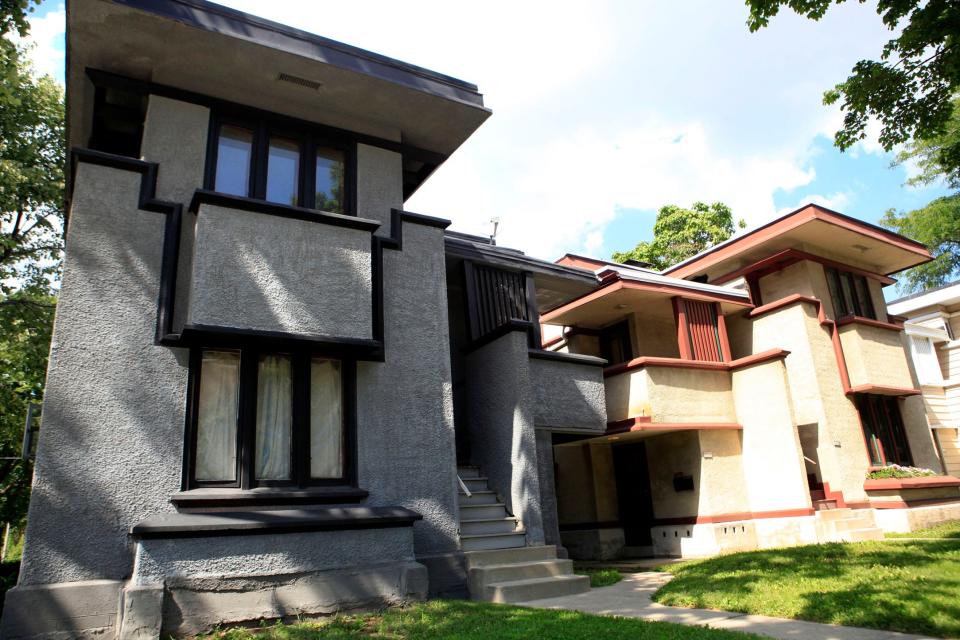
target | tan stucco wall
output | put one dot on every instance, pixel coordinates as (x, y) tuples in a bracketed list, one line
[(667, 455), (668, 394), (773, 464), (875, 356), (654, 336), (816, 393), (792, 280), (723, 487), (575, 497)]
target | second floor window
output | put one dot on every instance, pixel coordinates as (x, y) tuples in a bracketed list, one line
[(850, 294), (253, 159)]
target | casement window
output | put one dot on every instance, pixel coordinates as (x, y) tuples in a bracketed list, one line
[(883, 430), (261, 418), (850, 294), (925, 360), (255, 159), (615, 343)]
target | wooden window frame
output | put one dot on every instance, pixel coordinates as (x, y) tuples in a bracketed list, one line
[(881, 415), (840, 283), (246, 421), (309, 139)]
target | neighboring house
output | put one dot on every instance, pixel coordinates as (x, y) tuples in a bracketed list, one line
[(933, 324), (273, 392), (749, 391)]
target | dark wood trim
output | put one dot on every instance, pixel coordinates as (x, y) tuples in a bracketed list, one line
[(725, 352), (499, 332), (335, 346), (214, 198), (215, 498), (570, 358), (708, 365), (870, 322), (245, 523), (171, 234), (683, 327)]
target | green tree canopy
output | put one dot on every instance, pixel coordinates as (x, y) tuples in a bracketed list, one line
[(681, 233), (936, 225), (909, 89), (937, 158)]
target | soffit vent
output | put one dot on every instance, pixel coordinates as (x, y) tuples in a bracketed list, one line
[(303, 82)]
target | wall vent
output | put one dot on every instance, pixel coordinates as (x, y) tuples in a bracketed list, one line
[(303, 82)]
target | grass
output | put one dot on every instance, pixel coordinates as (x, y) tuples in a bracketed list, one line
[(600, 577), (898, 586), (944, 530), (470, 620)]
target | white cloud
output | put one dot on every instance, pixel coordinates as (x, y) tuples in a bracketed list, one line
[(45, 42), (836, 201)]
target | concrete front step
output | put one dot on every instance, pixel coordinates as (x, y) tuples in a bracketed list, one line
[(468, 472), (834, 514), (476, 484), (489, 525), (535, 588), (482, 511), (487, 541), (496, 573), (509, 556), (477, 497), (849, 524), (861, 535)]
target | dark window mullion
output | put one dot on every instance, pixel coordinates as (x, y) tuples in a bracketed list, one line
[(300, 441), (261, 148), (249, 361), (308, 174)]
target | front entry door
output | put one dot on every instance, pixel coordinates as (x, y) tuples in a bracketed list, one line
[(633, 492)]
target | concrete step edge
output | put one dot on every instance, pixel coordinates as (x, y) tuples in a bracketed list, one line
[(518, 532)]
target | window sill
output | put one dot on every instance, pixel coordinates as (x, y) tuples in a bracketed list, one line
[(926, 482), (245, 523), (265, 496)]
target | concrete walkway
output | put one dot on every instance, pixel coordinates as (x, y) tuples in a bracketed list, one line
[(631, 598)]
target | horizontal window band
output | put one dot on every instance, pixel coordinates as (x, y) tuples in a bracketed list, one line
[(245, 523), (201, 335)]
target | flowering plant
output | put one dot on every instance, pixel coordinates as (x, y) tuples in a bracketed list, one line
[(897, 471)]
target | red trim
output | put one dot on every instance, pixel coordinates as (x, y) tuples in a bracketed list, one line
[(573, 260), (928, 482), (783, 259), (836, 496), (786, 223), (722, 333), (870, 322), (680, 363), (733, 517), (881, 390), (683, 332), (643, 423), (552, 341)]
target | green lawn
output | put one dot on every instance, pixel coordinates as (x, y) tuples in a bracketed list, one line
[(600, 577), (900, 586), (943, 530), (468, 620)]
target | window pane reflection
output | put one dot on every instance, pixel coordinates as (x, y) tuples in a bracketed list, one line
[(283, 171), (234, 149), (330, 164)]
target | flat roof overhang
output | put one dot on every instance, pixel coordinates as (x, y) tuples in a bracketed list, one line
[(632, 429), (207, 49), (816, 230), (620, 295)]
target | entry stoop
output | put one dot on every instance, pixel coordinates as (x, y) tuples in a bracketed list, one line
[(484, 521), (518, 575), (847, 525)]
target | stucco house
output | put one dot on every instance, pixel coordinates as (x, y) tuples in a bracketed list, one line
[(932, 322), (272, 391)]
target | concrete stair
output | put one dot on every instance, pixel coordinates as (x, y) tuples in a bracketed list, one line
[(500, 565), (847, 525), (521, 574)]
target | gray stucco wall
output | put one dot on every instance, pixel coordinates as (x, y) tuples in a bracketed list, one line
[(568, 395), (191, 559), (181, 159), (500, 407), (548, 489), (258, 271), (405, 437), (111, 444), (379, 184)]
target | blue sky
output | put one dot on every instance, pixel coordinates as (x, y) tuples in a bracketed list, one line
[(605, 111)]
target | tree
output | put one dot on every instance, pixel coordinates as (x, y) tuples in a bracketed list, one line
[(681, 233), (31, 221), (937, 158), (936, 225), (909, 90)]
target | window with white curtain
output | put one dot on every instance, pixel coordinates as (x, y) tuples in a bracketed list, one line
[(925, 360), (267, 419)]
